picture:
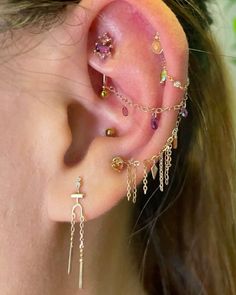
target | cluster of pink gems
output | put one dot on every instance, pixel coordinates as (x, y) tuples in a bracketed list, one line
[(103, 47)]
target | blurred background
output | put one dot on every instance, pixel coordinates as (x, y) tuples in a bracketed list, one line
[(224, 15)]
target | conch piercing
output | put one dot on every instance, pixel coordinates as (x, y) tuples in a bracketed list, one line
[(77, 196)]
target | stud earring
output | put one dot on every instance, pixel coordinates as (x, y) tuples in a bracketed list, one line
[(104, 46), (77, 196), (111, 132)]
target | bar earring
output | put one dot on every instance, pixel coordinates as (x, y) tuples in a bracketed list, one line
[(77, 196)]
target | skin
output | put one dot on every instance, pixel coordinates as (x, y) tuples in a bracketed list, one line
[(52, 124)]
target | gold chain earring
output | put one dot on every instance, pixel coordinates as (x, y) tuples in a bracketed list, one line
[(77, 196)]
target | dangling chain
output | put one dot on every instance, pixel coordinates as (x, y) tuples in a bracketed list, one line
[(161, 162), (146, 109)]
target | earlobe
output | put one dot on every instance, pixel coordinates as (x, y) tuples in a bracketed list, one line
[(137, 103)]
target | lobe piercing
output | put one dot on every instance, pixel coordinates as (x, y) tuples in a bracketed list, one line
[(77, 196)]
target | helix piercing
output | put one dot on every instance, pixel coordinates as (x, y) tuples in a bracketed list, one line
[(156, 45), (165, 76)]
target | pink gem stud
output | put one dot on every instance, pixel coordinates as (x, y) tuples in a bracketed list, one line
[(103, 47)]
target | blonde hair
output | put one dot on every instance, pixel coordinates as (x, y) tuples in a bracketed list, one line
[(191, 247)]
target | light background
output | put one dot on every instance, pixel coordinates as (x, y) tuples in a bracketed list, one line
[(224, 13)]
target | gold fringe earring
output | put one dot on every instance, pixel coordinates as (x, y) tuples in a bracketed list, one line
[(77, 196)]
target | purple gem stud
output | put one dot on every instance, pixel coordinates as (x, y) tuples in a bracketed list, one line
[(103, 46), (125, 111), (184, 112), (154, 122)]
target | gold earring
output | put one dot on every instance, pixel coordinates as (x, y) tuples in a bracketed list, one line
[(77, 196), (156, 45), (104, 92), (111, 132)]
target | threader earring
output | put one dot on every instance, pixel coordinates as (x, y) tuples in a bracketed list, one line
[(74, 217)]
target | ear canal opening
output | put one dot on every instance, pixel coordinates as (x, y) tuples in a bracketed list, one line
[(82, 124), (96, 80)]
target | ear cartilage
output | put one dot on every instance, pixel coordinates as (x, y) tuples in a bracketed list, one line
[(103, 46)]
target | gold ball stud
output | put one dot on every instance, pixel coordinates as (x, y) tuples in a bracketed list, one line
[(118, 164), (104, 93), (111, 132)]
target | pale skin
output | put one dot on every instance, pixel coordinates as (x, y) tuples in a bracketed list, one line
[(38, 163)]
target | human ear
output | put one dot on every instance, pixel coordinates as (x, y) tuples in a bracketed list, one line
[(134, 69)]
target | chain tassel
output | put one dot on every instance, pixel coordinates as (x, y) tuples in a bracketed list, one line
[(168, 160), (145, 179), (134, 181), (77, 196), (161, 173)]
